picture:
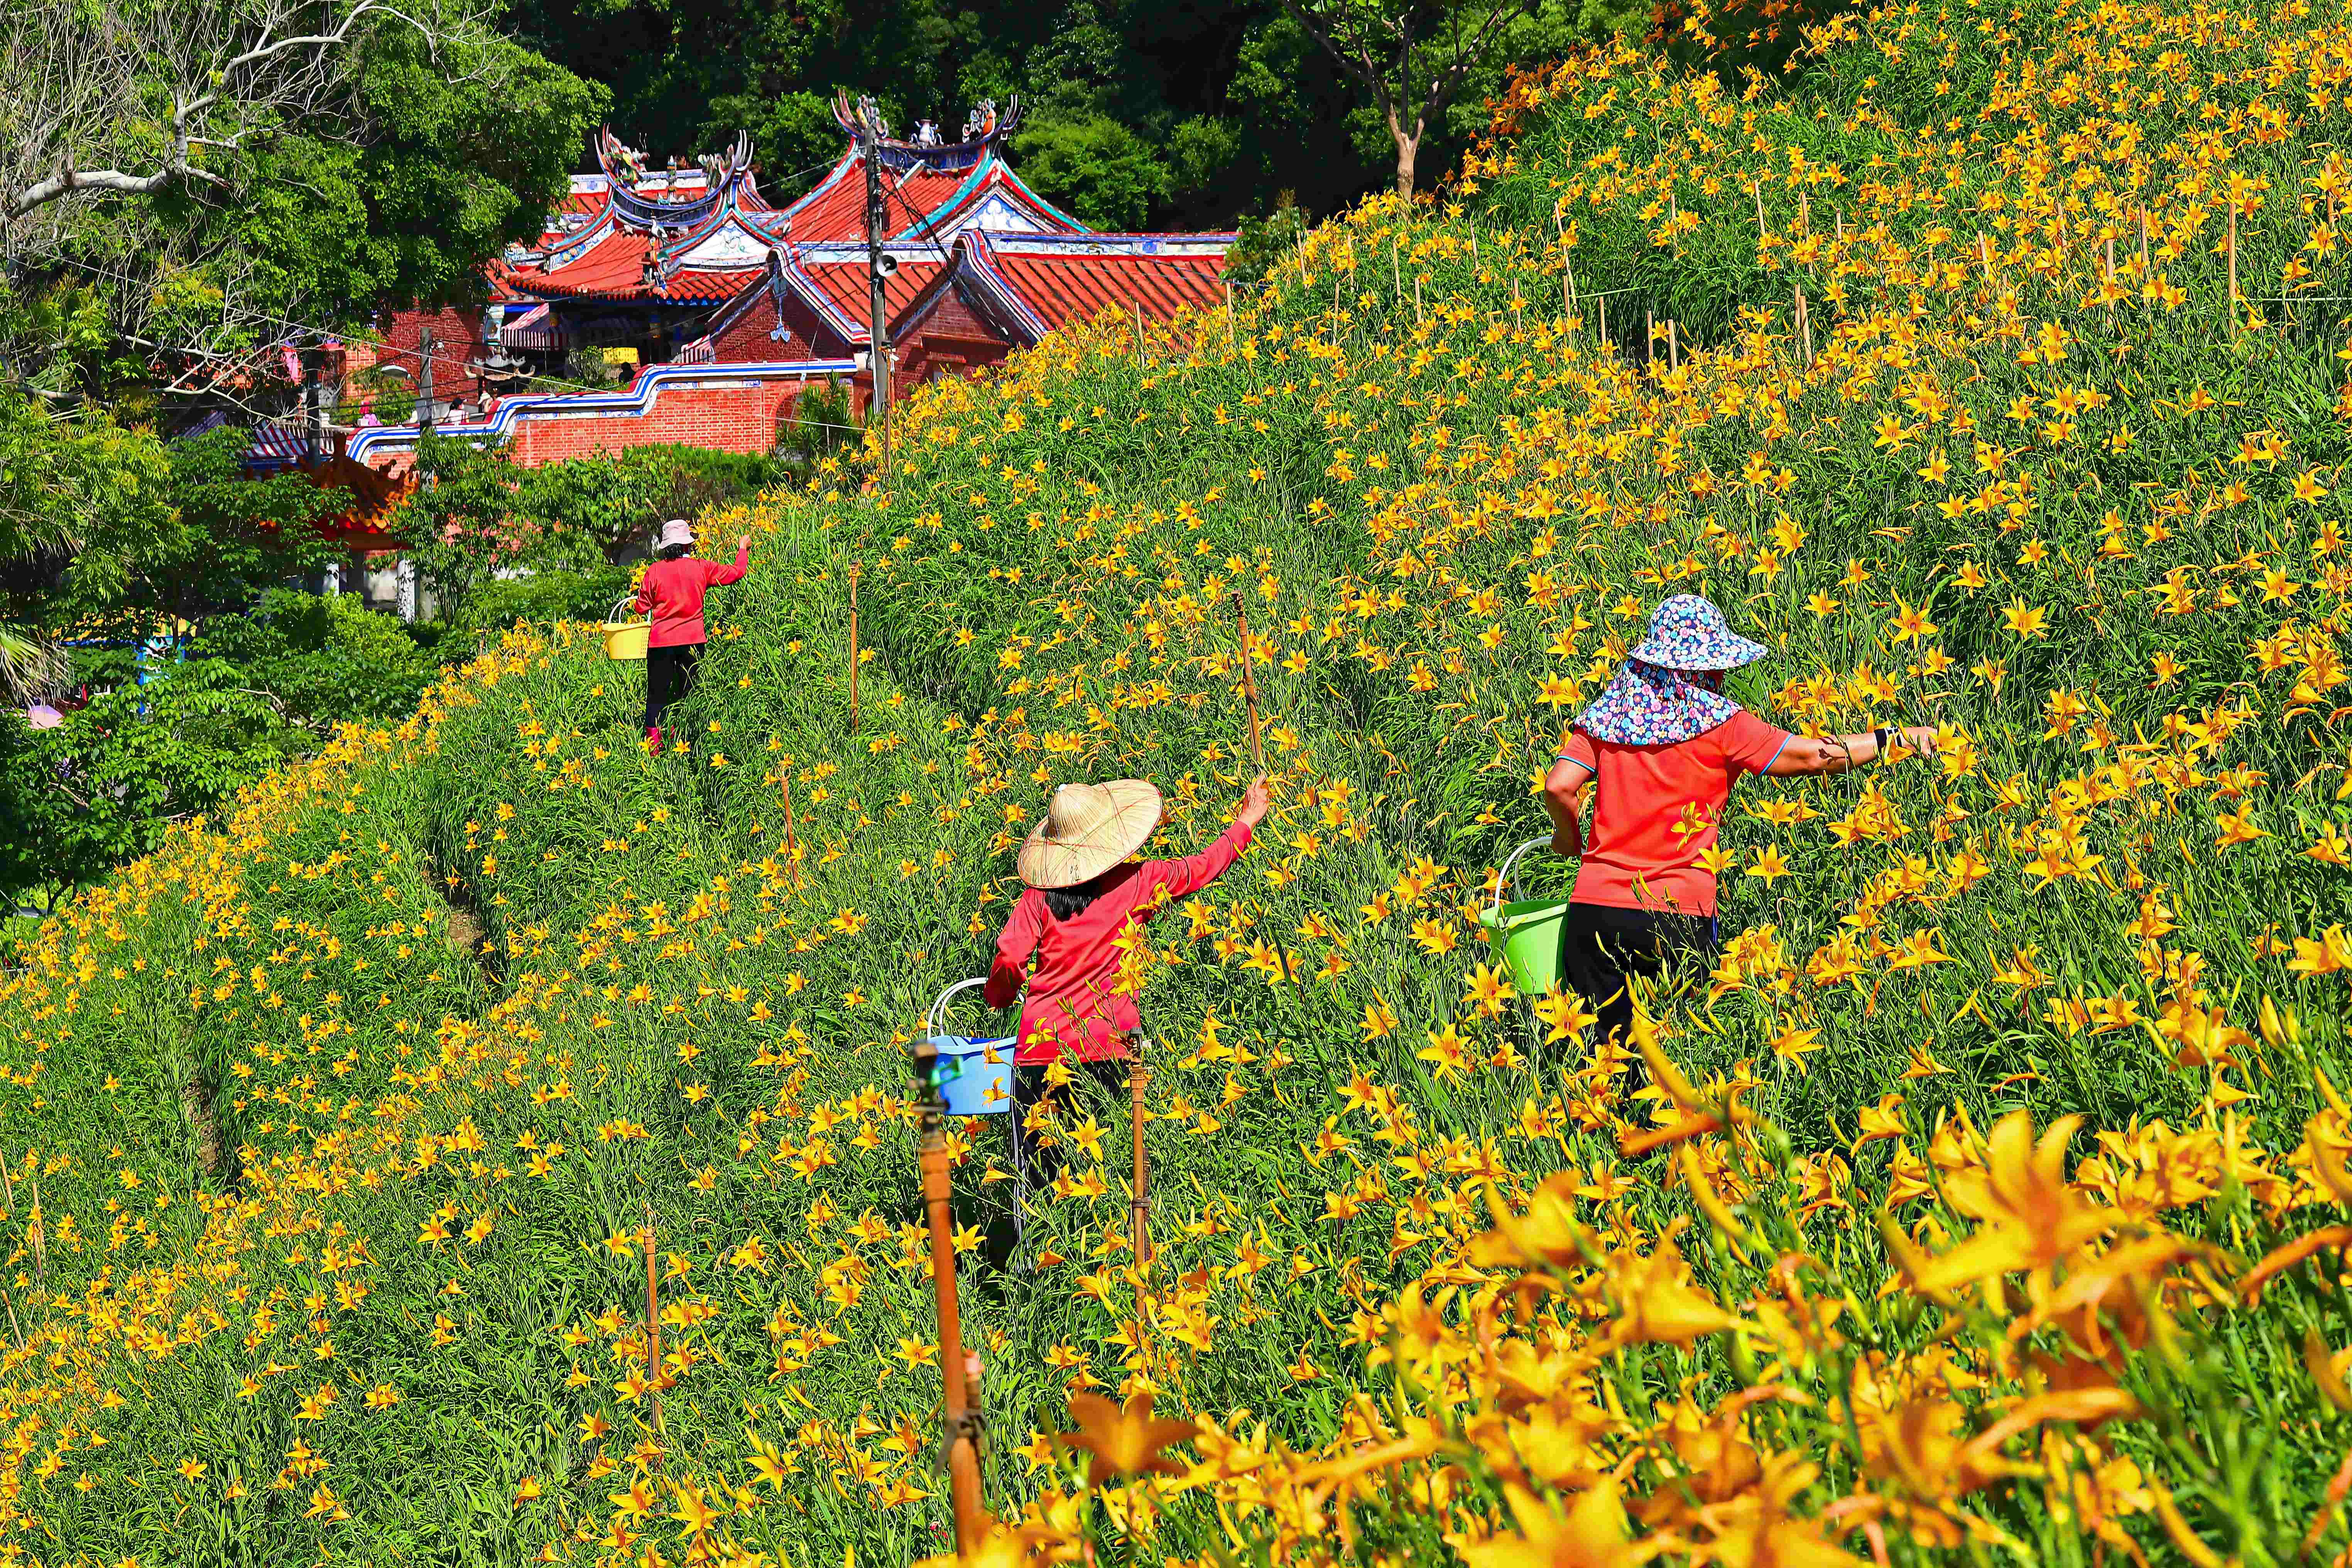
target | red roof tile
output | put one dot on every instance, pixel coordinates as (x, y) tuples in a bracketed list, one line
[(844, 285), (614, 268), (1058, 287)]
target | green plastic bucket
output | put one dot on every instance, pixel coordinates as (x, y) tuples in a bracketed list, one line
[(1526, 934)]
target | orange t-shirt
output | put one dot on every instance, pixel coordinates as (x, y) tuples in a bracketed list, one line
[(1655, 811)]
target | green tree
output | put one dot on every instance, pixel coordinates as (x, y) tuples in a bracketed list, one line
[(1411, 56), (1096, 168), (101, 788)]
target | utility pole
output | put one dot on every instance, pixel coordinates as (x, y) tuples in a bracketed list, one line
[(878, 336), (425, 380), (314, 404)]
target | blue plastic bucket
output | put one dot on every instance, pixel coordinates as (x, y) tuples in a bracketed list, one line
[(974, 1077)]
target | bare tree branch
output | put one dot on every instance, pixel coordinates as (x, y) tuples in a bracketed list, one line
[(123, 99)]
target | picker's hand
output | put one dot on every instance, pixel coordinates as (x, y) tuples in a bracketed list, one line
[(1256, 803), (1919, 738), (743, 542)]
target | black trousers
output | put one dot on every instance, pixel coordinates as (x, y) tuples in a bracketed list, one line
[(1603, 947), (1096, 1088), (669, 675)]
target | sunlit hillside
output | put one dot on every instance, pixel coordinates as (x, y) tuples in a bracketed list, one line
[(1988, 368)]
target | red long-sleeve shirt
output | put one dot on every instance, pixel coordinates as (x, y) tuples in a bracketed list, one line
[(1071, 1004), (673, 591)]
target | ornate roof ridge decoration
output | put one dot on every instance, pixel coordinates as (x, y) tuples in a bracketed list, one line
[(625, 170), (983, 128)]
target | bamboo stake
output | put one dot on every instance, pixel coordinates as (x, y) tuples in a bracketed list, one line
[(1673, 345), (791, 829), (1140, 1212), (1416, 299), (2233, 269), (2143, 245), (852, 647), (1138, 305), (963, 1418), (1755, 189), (1249, 684), (652, 1321), (1805, 213), (1804, 327)]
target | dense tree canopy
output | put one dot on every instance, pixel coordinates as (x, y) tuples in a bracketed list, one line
[(1190, 114)]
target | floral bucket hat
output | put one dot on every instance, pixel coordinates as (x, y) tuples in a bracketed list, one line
[(1670, 687), (1688, 632)]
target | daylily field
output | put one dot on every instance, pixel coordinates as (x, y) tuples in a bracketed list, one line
[(1992, 1201)]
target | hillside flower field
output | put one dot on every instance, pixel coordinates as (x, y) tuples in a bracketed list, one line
[(1988, 1202)]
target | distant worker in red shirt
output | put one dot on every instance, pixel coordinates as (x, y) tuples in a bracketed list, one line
[(672, 590), (1660, 746), (1084, 895)]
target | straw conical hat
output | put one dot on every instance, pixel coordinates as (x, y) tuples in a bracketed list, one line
[(1088, 829)]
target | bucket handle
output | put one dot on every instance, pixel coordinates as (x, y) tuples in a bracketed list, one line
[(937, 1020), (1503, 876), (628, 601)]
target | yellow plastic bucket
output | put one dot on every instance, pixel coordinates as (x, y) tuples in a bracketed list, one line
[(625, 640), (1526, 934)]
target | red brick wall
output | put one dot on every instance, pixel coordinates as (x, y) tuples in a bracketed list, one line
[(952, 340), (456, 343), (732, 419)]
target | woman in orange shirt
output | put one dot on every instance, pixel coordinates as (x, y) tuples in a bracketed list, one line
[(1660, 747)]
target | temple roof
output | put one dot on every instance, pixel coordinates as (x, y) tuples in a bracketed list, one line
[(698, 235)]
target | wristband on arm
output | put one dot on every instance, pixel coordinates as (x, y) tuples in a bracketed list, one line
[(1879, 736)]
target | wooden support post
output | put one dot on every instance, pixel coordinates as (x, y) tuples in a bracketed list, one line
[(962, 1417), (1804, 329), (1140, 1210), (652, 1321), (1673, 345), (852, 647), (2234, 270), (792, 827), (1249, 684), (1416, 299), (1137, 305), (1755, 189), (2144, 273)]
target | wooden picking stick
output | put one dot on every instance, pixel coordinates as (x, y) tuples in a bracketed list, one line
[(1249, 684), (653, 1323), (971, 1520), (852, 647)]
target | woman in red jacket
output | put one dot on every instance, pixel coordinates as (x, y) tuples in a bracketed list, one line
[(672, 590), (1085, 896)]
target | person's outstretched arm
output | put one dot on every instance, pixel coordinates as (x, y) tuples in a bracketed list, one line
[(1834, 753), (1175, 879), (718, 576)]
